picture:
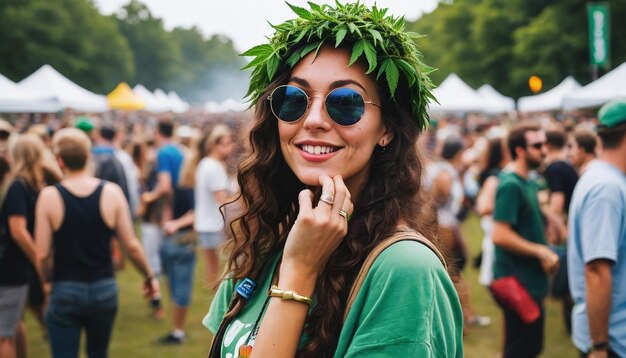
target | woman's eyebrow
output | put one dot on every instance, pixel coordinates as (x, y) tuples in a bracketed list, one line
[(301, 81), (336, 84), (342, 83)]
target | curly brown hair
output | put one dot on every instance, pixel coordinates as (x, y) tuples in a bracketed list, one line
[(269, 204)]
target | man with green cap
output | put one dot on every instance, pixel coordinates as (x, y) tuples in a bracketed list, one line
[(85, 124), (597, 251)]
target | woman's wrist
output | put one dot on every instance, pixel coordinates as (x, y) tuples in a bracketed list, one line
[(296, 279), (289, 295)]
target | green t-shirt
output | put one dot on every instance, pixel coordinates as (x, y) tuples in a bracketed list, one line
[(517, 205), (407, 307)]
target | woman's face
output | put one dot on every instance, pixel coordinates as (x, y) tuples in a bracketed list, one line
[(344, 151), (225, 146)]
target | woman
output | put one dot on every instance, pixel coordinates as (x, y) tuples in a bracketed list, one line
[(17, 248), (211, 192), (446, 186), (332, 144), (495, 157), (150, 231), (78, 217)]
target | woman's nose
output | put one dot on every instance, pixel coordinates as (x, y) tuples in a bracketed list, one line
[(316, 117)]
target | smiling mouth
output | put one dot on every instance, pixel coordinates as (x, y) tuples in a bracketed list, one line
[(318, 149)]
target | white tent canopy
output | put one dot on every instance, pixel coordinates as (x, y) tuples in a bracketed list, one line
[(608, 87), (455, 95), (16, 100), (179, 106), (164, 99), (5, 82), (497, 103), (550, 100), (229, 105), (50, 83), (153, 103)]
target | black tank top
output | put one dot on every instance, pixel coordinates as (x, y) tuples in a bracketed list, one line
[(82, 245)]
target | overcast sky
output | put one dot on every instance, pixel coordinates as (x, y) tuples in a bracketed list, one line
[(245, 21)]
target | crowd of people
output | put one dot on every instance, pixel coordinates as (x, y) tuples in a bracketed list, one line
[(519, 179), (342, 225), (550, 198), (74, 201)]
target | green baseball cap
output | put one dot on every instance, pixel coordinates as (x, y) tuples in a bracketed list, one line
[(612, 114), (85, 124)]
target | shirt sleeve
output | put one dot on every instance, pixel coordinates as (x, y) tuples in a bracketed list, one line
[(163, 164), (601, 217), (16, 199), (508, 197), (407, 307), (214, 317)]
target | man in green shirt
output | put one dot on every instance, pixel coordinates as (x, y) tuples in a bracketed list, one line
[(519, 237)]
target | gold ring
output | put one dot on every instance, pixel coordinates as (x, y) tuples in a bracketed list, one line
[(343, 212), (327, 198)]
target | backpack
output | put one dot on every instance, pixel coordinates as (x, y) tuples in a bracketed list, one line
[(109, 168)]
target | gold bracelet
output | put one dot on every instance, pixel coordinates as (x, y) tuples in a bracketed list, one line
[(288, 295)]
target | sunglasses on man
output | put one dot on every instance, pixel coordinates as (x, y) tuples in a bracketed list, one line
[(4, 135), (537, 145)]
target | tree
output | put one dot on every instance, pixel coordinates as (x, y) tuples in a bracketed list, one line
[(447, 42), (503, 42), (70, 35), (212, 67), (157, 58), (182, 59), (222, 77), (537, 53)]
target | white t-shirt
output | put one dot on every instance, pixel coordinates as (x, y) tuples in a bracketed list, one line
[(132, 178), (447, 213), (210, 177)]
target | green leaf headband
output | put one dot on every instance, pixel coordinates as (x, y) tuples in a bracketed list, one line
[(388, 49)]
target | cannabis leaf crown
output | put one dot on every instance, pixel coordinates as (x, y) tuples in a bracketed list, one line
[(381, 38)]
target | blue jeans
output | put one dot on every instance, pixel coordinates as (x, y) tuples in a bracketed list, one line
[(76, 305), (178, 261)]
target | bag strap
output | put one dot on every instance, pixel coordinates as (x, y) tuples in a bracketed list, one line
[(403, 233), (216, 346)]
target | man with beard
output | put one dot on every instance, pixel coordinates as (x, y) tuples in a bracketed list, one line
[(520, 241)]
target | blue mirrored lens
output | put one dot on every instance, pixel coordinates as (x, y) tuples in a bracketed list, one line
[(345, 106), (289, 103)]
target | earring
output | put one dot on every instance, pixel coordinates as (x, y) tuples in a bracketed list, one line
[(383, 147)]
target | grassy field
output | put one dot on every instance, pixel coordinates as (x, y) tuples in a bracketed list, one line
[(135, 331)]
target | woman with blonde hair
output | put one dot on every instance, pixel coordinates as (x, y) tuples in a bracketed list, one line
[(211, 192), (17, 248)]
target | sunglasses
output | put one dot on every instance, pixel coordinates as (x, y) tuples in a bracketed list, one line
[(344, 106), (537, 145)]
